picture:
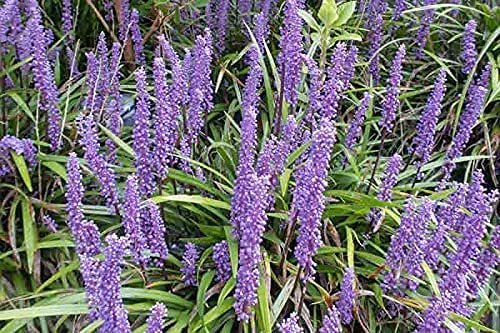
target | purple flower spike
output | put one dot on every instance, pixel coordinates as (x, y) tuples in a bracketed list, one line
[(253, 222), (354, 130), (124, 20), (346, 302), (473, 107), (290, 59), (469, 51), (389, 180), (156, 318), (141, 136), (308, 197), (486, 262), (424, 29), (222, 262), (49, 222), (155, 232), (375, 36), (74, 192), (336, 83), (89, 268), (331, 321), (67, 20), (391, 103), (165, 121), (23, 147), (399, 8), (132, 221), (200, 94), (423, 141), (188, 269), (315, 86), (43, 73), (291, 325), (90, 142), (221, 26), (111, 309), (137, 40)]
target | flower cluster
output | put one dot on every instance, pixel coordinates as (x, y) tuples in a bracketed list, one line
[(474, 103), (222, 262), (308, 197), (188, 269), (23, 147), (156, 319), (106, 176), (331, 321), (346, 302), (469, 52), (423, 141), (391, 101), (424, 28), (354, 129), (291, 324)]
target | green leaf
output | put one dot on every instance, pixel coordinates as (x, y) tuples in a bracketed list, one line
[(197, 199), (30, 232), (202, 290), (44, 311), (345, 12), (350, 248), (57, 168), (23, 169), (119, 142), (432, 278), (347, 36), (328, 12), (263, 309), (306, 16), (282, 299)]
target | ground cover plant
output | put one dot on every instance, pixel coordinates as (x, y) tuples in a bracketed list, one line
[(249, 166)]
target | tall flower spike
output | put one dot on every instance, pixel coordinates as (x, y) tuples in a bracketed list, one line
[(132, 221), (200, 94), (124, 19), (308, 197), (221, 25), (43, 73), (314, 103), (220, 257), (346, 302), (423, 141), (425, 26), (67, 20), (165, 121), (111, 309), (469, 51), (291, 324), (389, 180), (290, 59), (248, 216), (486, 262), (141, 136), (375, 35), (155, 232), (156, 318), (89, 268), (349, 65), (188, 269), (473, 107), (391, 103), (93, 95), (245, 171), (331, 321), (114, 106), (85, 233), (335, 84), (399, 8), (90, 142), (354, 129), (74, 192), (137, 40)]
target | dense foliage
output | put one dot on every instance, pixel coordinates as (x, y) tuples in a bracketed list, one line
[(249, 166)]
